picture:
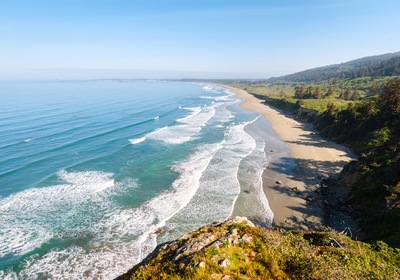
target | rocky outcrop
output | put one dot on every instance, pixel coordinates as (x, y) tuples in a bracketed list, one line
[(237, 249), (206, 238)]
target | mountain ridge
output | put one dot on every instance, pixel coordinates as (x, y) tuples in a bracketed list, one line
[(365, 66)]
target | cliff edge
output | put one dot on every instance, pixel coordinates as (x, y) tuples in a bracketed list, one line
[(237, 249)]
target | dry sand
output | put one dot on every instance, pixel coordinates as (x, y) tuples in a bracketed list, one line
[(291, 188)]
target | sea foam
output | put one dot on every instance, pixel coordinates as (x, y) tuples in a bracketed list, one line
[(218, 184), (187, 127), (123, 237), (31, 217), (137, 140)]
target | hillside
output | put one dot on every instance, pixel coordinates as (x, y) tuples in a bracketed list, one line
[(236, 249), (363, 114), (380, 65)]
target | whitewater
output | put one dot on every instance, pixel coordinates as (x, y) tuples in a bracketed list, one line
[(95, 174)]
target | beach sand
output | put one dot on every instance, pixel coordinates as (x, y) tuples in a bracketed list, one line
[(290, 182)]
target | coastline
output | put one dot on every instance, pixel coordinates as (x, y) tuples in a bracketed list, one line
[(291, 182)]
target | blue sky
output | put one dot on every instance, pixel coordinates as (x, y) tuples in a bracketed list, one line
[(191, 38)]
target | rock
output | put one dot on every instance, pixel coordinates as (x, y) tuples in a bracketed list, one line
[(238, 219), (225, 263), (234, 232), (184, 237), (201, 264), (216, 276), (246, 238), (278, 182), (225, 277), (217, 244), (217, 257)]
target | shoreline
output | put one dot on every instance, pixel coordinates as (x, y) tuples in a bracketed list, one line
[(291, 183)]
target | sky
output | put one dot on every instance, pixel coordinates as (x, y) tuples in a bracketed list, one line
[(252, 39)]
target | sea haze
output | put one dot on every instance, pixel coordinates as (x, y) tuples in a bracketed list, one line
[(93, 174)]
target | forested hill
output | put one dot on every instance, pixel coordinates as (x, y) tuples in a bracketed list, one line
[(379, 65)]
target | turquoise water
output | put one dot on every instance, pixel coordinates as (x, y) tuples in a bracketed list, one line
[(90, 170)]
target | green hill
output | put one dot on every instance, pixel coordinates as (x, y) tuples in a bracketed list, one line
[(374, 66)]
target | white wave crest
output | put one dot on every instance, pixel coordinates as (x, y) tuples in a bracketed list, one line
[(189, 127), (137, 140), (218, 98), (208, 88)]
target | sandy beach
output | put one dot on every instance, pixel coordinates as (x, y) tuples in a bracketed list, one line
[(290, 182)]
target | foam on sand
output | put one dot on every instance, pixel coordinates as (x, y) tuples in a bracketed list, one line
[(252, 201)]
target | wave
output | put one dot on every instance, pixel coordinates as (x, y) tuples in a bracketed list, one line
[(218, 184), (185, 131), (208, 88), (137, 140), (120, 237), (195, 111), (31, 217), (218, 98)]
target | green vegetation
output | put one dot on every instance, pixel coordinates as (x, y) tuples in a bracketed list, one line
[(364, 114), (267, 254)]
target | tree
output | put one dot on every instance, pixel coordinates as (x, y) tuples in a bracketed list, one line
[(356, 94), (341, 95), (389, 99), (330, 91), (348, 95), (318, 93), (373, 89), (299, 92), (308, 92)]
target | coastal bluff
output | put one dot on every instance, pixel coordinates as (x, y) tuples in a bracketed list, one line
[(237, 249)]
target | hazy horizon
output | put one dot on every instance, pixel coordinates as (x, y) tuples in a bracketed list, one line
[(189, 39)]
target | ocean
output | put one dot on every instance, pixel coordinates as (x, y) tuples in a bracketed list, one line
[(95, 174)]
